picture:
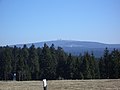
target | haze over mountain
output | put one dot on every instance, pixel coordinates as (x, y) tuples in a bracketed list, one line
[(77, 47)]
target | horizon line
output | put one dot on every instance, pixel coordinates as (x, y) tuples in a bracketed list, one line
[(56, 40)]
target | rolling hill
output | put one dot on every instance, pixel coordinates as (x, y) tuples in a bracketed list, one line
[(77, 47)]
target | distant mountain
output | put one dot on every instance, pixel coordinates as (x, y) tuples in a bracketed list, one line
[(77, 47)]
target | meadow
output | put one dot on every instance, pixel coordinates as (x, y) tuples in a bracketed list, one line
[(62, 85)]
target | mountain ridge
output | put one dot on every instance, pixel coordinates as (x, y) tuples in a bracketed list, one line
[(68, 43), (76, 47)]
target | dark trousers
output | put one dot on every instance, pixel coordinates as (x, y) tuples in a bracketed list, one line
[(45, 88)]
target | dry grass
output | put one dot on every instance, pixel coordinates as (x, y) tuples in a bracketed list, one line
[(62, 85)]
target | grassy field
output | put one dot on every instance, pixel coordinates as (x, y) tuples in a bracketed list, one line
[(62, 85)]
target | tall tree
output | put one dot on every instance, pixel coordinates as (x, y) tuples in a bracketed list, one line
[(47, 64), (61, 58), (77, 68), (86, 66), (1, 63), (54, 60), (6, 61), (33, 62), (92, 65), (39, 52), (115, 64), (97, 70), (69, 67), (20, 66), (106, 59), (26, 71), (15, 53), (102, 68)]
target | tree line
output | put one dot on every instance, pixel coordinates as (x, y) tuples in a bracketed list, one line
[(54, 64)]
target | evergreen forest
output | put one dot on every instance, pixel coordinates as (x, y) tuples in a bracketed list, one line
[(54, 64)]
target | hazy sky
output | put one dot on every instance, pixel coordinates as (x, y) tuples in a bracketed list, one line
[(25, 21)]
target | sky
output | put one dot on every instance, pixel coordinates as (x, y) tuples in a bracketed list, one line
[(29, 21)]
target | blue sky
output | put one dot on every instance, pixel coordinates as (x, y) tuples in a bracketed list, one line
[(26, 21)]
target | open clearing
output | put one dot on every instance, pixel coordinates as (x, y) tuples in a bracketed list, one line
[(62, 85)]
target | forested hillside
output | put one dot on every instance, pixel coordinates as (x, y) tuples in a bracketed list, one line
[(50, 63), (76, 47)]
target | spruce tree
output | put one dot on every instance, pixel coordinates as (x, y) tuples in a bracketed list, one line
[(86, 66), (97, 70), (26, 71), (39, 52), (33, 62), (54, 60), (69, 67), (61, 66), (47, 64), (115, 67), (92, 66), (20, 66), (6, 61), (77, 73), (102, 68), (1, 63), (106, 59), (15, 53)]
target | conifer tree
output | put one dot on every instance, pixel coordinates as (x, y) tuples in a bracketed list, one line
[(6, 63), (1, 63), (102, 68), (92, 65), (26, 71), (115, 67), (39, 52), (61, 59), (86, 66), (69, 67), (47, 64), (33, 62), (54, 60), (20, 66), (77, 73), (15, 53), (106, 59)]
